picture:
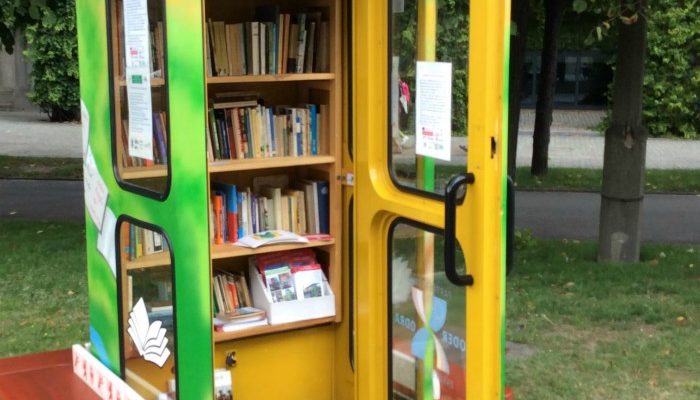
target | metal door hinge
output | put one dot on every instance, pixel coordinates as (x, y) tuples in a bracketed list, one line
[(348, 179)]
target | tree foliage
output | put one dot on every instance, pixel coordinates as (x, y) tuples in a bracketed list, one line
[(17, 14), (53, 52), (672, 78), (672, 69)]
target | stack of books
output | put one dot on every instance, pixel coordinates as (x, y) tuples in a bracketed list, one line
[(233, 307), (274, 43), (243, 129), (236, 213)]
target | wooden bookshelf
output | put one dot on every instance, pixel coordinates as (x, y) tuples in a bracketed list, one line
[(267, 163), (318, 76), (150, 261), (285, 89), (156, 171), (267, 329), (229, 250), (155, 82)]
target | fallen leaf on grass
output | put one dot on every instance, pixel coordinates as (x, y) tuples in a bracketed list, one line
[(71, 293), (570, 284)]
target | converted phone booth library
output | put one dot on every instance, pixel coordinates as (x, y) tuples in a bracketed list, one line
[(278, 205)]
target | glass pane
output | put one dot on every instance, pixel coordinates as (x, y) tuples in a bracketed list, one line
[(140, 103), (565, 87), (451, 47), (428, 325), (148, 331)]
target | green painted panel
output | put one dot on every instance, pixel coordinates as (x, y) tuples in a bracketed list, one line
[(183, 215)]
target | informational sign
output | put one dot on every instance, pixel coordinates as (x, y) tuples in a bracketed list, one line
[(138, 78), (95, 189), (434, 109), (105, 240)]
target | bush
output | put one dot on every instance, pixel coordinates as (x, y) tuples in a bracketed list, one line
[(672, 76), (53, 52)]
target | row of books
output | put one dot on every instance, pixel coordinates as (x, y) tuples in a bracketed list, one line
[(274, 43), (233, 307), (291, 275), (238, 213), (141, 242), (238, 133), (230, 292), (160, 144)]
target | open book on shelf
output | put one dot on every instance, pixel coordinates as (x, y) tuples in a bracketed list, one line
[(270, 237)]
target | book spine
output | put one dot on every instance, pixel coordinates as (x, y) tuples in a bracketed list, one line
[(323, 206), (218, 218)]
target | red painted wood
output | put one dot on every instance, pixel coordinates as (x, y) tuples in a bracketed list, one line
[(46, 376)]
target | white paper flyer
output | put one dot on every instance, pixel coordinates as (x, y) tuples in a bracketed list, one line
[(138, 78), (95, 189), (434, 109)]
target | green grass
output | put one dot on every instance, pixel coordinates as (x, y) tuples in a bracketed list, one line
[(43, 294), (683, 181), (599, 331), (605, 331), (40, 168)]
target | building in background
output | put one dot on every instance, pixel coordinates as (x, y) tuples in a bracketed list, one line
[(14, 78)]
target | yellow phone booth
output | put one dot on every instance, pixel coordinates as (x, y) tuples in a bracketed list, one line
[(296, 199)]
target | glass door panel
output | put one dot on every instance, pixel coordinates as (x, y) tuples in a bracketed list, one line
[(451, 46), (427, 327), (148, 329)]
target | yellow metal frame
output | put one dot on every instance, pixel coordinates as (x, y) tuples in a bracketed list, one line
[(378, 201)]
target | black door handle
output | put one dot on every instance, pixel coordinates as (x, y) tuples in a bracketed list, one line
[(454, 196)]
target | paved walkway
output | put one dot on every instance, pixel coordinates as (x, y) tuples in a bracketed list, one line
[(573, 143)]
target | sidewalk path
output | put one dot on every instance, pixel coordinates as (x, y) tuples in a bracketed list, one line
[(573, 144), (31, 134)]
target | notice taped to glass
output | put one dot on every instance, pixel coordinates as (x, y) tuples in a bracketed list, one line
[(138, 78), (434, 109)]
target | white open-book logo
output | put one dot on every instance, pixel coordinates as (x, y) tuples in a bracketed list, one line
[(149, 338)]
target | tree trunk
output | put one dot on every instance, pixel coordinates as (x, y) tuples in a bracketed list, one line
[(519, 16), (625, 151), (554, 14)]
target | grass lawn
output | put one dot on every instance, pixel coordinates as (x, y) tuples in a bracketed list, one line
[(570, 179), (599, 331), (603, 331), (657, 180), (41, 168), (43, 294)]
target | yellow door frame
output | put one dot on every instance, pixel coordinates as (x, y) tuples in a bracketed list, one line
[(378, 202)]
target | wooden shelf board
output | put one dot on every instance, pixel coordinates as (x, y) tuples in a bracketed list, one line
[(149, 261), (267, 329), (229, 250), (213, 80), (155, 171), (155, 82), (272, 162)]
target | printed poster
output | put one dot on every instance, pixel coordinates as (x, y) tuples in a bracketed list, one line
[(434, 109), (138, 78)]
